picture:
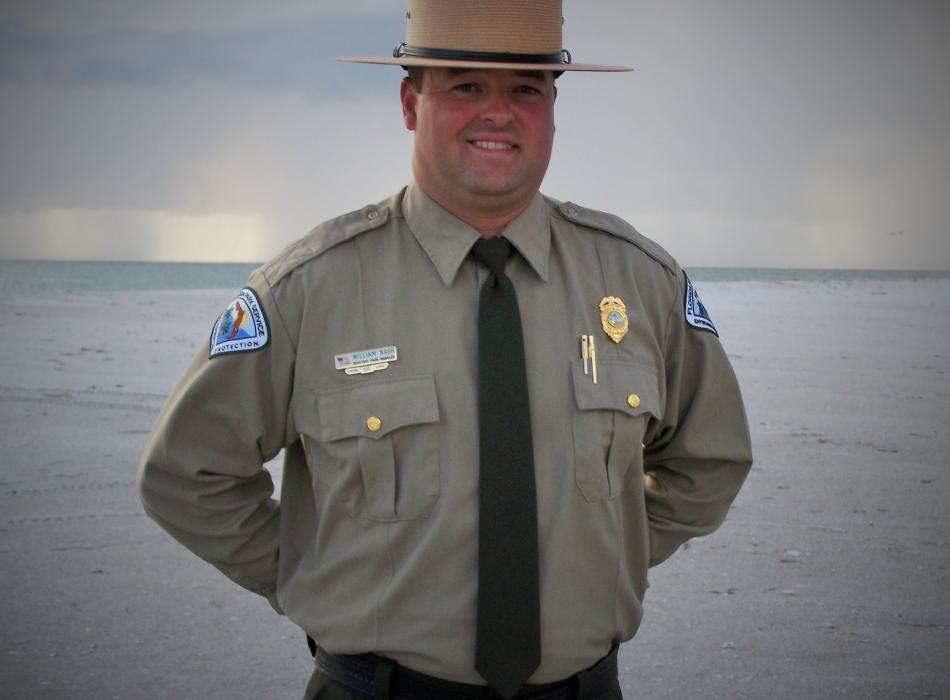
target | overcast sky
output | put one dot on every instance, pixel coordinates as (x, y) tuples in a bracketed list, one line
[(781, 133)]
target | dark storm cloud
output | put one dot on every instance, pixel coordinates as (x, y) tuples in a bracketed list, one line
[(288, 56)]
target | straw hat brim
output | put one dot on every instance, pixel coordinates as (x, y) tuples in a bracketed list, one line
[(481, 65)]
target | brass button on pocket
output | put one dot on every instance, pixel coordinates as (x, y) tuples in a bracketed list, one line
[(633, 401), (374, 423)]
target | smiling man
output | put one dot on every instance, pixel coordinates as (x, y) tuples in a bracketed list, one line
[(497, 410)]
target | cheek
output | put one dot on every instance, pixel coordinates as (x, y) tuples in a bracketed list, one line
[(439, 129), (541, 128), (451, 118)]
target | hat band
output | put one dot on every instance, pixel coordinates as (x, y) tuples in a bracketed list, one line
[(402, 50)]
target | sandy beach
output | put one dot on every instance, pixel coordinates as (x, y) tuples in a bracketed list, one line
[(829, 579)]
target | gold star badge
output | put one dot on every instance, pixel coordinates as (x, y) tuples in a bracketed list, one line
[(613, 317)]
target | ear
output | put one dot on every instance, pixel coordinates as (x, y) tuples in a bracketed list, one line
[(410, 99)]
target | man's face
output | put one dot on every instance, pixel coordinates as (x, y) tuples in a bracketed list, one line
[(483, 137)]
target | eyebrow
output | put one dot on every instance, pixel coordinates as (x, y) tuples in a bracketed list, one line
[(534, 74)]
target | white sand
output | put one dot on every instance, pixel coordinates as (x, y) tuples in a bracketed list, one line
[(828, 579)]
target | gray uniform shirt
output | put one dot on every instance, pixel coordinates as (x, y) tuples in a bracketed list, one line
[(373, 544)]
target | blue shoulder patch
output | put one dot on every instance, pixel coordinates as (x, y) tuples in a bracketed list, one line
[(696, 314), (241, 328)]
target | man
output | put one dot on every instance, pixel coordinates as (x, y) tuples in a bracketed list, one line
[(498, 410)]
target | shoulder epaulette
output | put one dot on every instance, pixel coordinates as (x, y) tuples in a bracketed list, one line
[(615, 226), (329, 234)]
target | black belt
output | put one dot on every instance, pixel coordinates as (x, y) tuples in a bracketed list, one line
[(383, 679)]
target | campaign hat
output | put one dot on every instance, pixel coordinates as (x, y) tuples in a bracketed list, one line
[(484, 34)]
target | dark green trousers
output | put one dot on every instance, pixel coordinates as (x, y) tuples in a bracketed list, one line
[(322, 688)]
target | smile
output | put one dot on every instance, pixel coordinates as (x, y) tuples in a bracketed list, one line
[(493, 145)]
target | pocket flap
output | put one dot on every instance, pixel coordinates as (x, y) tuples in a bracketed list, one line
[(375, 409), (621, 386)]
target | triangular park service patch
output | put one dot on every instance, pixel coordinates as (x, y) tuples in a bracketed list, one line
[(696, 314), (242, 327)]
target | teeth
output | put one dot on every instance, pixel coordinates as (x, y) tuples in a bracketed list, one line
[(492, 145)]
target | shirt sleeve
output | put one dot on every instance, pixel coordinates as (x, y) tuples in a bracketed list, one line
[(202, 476), (699, 453)]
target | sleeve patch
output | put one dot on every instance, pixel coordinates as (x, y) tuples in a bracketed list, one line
[(241, 328), (696, 314)]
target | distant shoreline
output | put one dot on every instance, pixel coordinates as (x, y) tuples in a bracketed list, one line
[(46, 278)]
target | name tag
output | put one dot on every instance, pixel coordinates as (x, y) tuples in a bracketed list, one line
[(365, 361)]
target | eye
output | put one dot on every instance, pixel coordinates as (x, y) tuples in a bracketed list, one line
[(527, 90), (466, 88)]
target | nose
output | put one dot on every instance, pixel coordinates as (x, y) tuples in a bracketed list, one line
[(497, 108)]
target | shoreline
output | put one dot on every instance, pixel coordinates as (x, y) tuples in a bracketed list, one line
[(55, 278)]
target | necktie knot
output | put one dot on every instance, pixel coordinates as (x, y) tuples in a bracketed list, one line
[(493, 253)]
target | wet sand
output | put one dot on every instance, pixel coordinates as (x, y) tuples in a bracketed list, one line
[(829, 579)]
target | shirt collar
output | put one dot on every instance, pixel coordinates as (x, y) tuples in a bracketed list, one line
[(447, 239)]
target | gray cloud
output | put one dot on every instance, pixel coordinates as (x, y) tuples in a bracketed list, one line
[(71, 17), (273, 57)]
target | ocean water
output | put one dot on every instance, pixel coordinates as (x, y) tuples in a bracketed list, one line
[(54, 278)]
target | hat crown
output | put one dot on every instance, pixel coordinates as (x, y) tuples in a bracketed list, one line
[(486, 26)]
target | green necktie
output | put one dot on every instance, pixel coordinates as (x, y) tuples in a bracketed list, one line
[(508, 636)]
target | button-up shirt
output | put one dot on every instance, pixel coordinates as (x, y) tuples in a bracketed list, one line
[(372, 546)]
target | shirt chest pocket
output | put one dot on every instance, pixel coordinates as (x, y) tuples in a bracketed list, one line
[(375, 448), (610, 423)]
